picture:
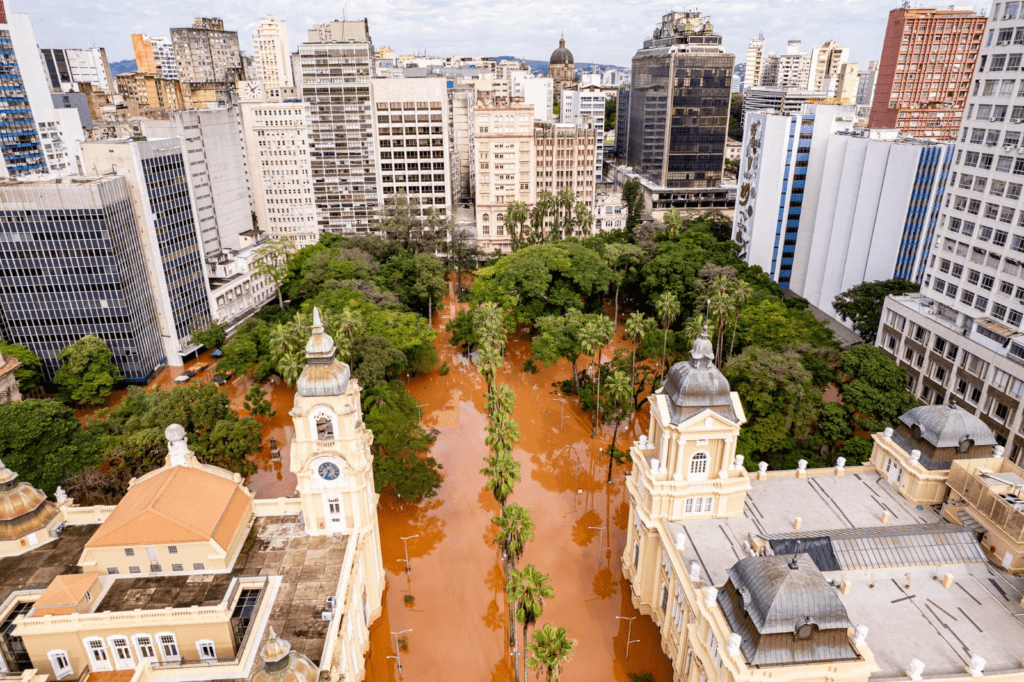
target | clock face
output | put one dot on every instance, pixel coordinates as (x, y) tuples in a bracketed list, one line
[(252, 90), (329, 471)]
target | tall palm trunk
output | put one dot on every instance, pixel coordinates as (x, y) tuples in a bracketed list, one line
[(611, 452), (526, 624), (616, 320), (597, 409), (664, 354), (632, 379), (735, 323)]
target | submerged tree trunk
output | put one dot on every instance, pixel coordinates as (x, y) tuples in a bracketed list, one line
[(525, 625), (611, 452), (616, 320), (597, 407)]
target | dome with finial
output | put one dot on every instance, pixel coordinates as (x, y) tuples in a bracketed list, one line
[(24, 508), (562, 54), (696, 384), (323, 374), (281, 664)]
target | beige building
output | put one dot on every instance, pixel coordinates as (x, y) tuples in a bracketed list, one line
[(206, 53), (148, 94), (185, 578), (826, 67), (154, 54), (816, 575), (271, 59), (848, 83), (565, 161)]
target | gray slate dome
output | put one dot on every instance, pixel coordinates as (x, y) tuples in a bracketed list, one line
[(696, 384), (561, 55), (946, 426), (323, 374)]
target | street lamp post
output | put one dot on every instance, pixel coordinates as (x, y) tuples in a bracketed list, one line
[(399, 664), (398, 649), (601, 548), (629, 633), (561, 421), (405, 541)]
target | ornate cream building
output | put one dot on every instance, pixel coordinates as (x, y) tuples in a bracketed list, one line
[(562, 67), (837, 574), (188, 575)]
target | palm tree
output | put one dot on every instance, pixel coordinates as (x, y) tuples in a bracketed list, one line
[(620, 258), (593, 337), (516, 530), (502, 472), (667, 308), (741, 293), (638, 326), (501, 400), (549, 649), (692, 328), (502, 434), (620, 400), (290, 367), (720, 305), (527, 590)]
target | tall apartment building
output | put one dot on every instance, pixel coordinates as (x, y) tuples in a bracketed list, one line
[(622, 121), (158, 183), (155, 54), (961, 337), (794, 67), (564, 159), (504, 145), (826, 65), (277, 143), (584, 106), (147, 94), (848, 83), (823, 208), (336, 65), (411, 130), (206, 53), (679, 104), (461, 107), (924, 75), (866, 84), (536, 90), (271, 59), (72, 264), (35, 137), (68, 67), (755, 57)]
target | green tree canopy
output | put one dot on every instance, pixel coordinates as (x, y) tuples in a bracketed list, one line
[(42, 441), (211, 337), (874, 389), (375, 361), (87, 374), (862, 304), (28, 375)]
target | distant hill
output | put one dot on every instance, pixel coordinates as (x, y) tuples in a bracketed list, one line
[(123, 66), (541, 66)]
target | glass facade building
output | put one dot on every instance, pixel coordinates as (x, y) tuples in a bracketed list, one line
[(71, 264), (19, 138)]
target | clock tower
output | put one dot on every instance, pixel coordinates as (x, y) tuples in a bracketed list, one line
[(330, 454)]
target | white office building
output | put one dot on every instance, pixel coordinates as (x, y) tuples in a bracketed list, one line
[(961, 337), (538, 91), (583, 107), (823, 208), (271, 60)]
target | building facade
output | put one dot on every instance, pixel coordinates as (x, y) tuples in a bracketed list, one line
[(755, 56), (148, 94), (924, 75), (826, 67), (334, 79), (68, 67), (271, 58), (562, 67), (206, 53), (585, 106), (777, 100), (794, 68), (679, 104), (564, 160), (155, 54), (505, 166), (76, 268)]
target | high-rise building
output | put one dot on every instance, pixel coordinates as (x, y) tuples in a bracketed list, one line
[(277, 142), (411, 129), (826, 66), (336, 65), (962, 336), (536, 90), (206, 53), (584, 106), (271, 59), (866, 84), (794, 67), (924, 75), (72, 264), (34, 136), (679, 104), (162, 199), (755, 56), (769, 71), (777, 100), (564, 159), (155, 54), (147, 94), (823, 207), (67, 68), (849, 82), (622, 122), (504, 145)]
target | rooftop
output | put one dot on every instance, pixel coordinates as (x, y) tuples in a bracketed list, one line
[(38, 568), (895, 568)]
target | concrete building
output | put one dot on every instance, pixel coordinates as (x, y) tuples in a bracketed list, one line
[(86, 275), (562, 67), (609, 212), (147, 94), (755, 58), (794, 69), (538, 91), (336, 65), (206, 53), (924, 75), (271, 59), (68, 67), (37, 138), (971, 303), (155, 54), (777, 100), (585, 106), (564, 159), (823, 208), (505, 167), (163, 201), (866, 84), (80, 596), (826, 68), (622, 122), (277, 143), (848, 84), (801, 575), (679, 104), (411, 131)]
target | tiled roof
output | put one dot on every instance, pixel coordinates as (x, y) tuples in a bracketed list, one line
[(63, 594)]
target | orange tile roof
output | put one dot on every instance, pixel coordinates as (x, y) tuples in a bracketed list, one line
[(111, 676), (179, 505), (62, 595)]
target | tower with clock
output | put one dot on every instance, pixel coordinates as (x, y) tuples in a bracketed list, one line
[(330, 455)]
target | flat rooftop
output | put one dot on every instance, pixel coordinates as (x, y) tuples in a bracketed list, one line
[(37, 569), (895, 568)]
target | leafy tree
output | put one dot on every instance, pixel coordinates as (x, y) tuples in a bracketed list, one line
[(674, 223), (856, 450), (527, 590), (256, 402), (736, 116), (550, 649), (834, 424), (463, 253), (43, 442), (271, 261), (561, 336), (375, 360), (248, 348), (633, 197), (594, 336), (28, 375), (461, 329), (667, 307), (619, 407), (400, 444), (638, 328), (230, 444), (87, 375), (874, 390), (516, 529), (419, 280), (623, 259), (610, 111), (862, 304), (211, 337)]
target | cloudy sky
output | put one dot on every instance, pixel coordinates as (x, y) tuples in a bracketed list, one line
[(603, 31)]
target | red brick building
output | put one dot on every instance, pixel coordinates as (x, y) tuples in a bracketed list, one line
[(925, 71)]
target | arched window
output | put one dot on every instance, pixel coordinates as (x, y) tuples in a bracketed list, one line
[(486, 217), (699, 464), (168, 647), (99, 661), (60, 662), (324, 428), (144, 648), (122, 652)]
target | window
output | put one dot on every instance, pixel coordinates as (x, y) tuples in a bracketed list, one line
[(207, 650), (198, 567), (699, 463), (698, 505), (177, 567), (172, 549), (60, 663), (98, 659), (113, 570), (168, 647), (324, 428), (134, 569), (122, 652), (636, 554), (664, 597), (128, 551), (144, 648)]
